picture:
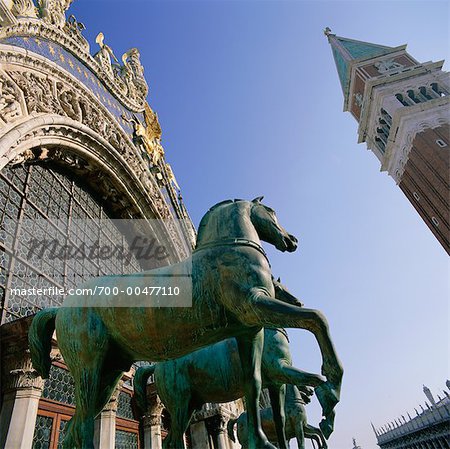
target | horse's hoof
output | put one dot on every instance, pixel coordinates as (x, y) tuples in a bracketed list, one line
[(267, 445), (327, 396), (308, 391), (327, 425)]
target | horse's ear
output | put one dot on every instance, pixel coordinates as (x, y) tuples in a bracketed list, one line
[(258, 200)]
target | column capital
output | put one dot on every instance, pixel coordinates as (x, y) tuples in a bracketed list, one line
[(154, 412), (24, 378), (17, 371), (113, 402), (216, 424)]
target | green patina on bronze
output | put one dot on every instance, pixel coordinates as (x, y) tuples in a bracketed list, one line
[(214, 374), (233, 296), (296, 423)]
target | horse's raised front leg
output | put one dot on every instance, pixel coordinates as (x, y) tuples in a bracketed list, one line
[(270, 312), (277, 400), (291, 375), (250, 347)]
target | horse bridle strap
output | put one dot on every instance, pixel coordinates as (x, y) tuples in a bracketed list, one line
[(234, 242)]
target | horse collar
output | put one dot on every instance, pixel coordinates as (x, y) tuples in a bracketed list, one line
[(234, 242)]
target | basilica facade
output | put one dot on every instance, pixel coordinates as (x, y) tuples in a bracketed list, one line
[(79, 143)]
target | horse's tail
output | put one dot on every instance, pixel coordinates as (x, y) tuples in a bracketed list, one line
[(140, 385), (230, 429), (40, 340)]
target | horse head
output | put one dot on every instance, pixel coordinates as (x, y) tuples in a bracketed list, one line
[(233, 220), (266, 224)]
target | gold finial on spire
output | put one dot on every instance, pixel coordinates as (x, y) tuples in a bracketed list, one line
[(327, 31)]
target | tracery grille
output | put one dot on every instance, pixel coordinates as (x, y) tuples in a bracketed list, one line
[(124, 408), (42, 433), (59, 386), (56, 204), (62, 433), (126, 440)]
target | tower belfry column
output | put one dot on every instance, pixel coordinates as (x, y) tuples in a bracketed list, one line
[(402, 109)]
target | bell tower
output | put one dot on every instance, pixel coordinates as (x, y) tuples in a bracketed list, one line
[(403, 115)]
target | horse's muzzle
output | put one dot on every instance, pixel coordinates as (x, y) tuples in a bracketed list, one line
[(291, 243)]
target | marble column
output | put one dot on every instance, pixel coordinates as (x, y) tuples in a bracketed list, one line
[(21, 388), (199, 435), (216, 426), (152, 424), (105, 424)]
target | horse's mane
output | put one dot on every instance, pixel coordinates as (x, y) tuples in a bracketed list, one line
[(205, 220), (209, 292)]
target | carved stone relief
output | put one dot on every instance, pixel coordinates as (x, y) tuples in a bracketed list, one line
[(46, 95), (54, 11), (126, 82), (38, 92), (24, 8), (10, 99)]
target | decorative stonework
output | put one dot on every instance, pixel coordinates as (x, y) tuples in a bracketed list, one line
[(24, 8), (29, 91), (17, 372), (104, 56), (53, 12), (227, 410), (126, 82), (11, 100), (359, 99), (382, 94), (145, 139), (154, 413), (51, 115), (57, 95), (216, 424), (74, 29), (399, 158), (91, 160), (112, 404), (26, 377), (388, 65)]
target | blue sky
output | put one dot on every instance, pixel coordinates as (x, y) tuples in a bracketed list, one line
[(250, 104)]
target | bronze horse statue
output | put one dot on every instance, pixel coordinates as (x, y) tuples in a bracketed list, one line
[(214, 374), (296, 423), (232, 296)]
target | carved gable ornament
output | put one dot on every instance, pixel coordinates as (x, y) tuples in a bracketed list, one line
[(387, 65), (47, 20)]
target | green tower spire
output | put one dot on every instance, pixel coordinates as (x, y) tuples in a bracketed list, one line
[(346, 51)]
